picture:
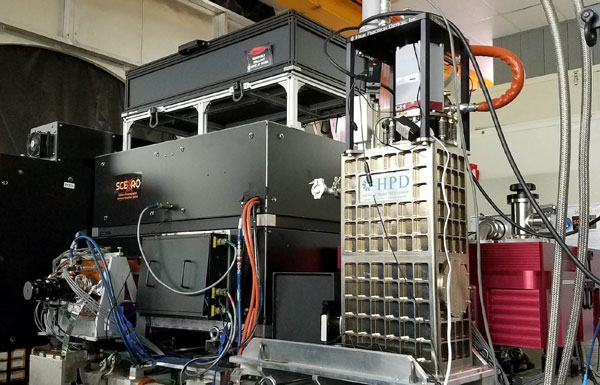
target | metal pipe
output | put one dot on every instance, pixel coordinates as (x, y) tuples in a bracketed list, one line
[(492, 229), (563, 189), (584, 200), (375, 7)]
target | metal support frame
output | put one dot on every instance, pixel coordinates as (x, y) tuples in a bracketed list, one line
[(350, 62), (425, 66), (202, 121), (465, 95), (347, 364), (427, 29), (292, 87), (291, 81)]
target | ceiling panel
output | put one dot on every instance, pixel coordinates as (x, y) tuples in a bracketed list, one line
[(488, 29), (484, 20), (528, 18), (565, 9), (506, 6)]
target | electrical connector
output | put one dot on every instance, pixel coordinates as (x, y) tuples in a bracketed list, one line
[(222, 292), (219, 310), (164, 205), (220, 241)]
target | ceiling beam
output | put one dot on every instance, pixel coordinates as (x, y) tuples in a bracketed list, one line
[(337, 14)]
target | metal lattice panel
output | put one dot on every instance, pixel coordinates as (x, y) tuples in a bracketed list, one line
[(397, 303)]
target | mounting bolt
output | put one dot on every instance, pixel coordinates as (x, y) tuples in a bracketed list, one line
[(182, 210), (156, 154), (4, 183), (280, 136), (102, 164), (586, 14), (182, 149), (105, 218), (151, 213), (70, 179), (274, 199), (251, 135), (20, 172)]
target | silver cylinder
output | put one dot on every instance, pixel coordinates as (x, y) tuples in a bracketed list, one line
[(520, 208), (491, 229), (443, 128), (372, 8)]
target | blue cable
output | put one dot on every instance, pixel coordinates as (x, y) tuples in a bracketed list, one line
[(219, 352), (589, 359), (124, 327), (215, 375), (123, 324)]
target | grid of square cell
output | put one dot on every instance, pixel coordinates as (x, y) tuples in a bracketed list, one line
[(404, 222), (393, 307), (453, 185), (388, 302)]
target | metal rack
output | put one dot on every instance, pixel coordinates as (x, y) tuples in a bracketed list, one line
[(288, 102), (380, 44)]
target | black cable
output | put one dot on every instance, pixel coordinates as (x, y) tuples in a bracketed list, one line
[(385, 86), (514, 165), (504, 216), (592, 223), (333, 62)]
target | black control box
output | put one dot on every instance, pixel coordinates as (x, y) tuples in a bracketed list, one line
[(59, 141)]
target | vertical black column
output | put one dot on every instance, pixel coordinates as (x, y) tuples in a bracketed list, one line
[(349, 134), (392, 98), (465, 90), (424, 59)]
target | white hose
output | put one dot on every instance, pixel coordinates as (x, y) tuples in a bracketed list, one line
[(584, 201), (563, 190)]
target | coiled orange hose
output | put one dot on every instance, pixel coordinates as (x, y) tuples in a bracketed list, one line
[(515, 65)]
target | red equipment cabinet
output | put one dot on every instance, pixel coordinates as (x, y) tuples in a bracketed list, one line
[(516, 279)]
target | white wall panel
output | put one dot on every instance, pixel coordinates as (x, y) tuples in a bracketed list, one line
[(110, 26), (159, 35), (114, 34), (38, 16), (531, 127)]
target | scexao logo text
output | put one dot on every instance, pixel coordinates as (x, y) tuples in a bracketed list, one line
[(128, 185)]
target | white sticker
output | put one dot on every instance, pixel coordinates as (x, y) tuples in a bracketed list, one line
[(3, 366), (3, 377), (69, 185), (387, 186), (17, 364), (3, 355)]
